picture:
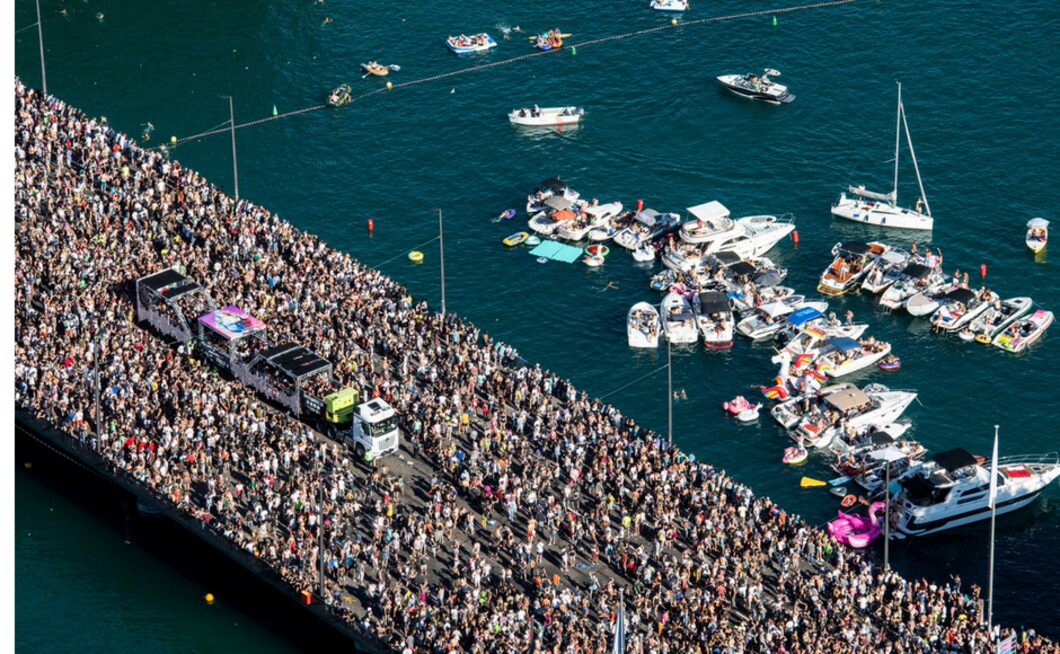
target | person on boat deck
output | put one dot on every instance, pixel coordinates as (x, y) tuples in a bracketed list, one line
[(536, 111), (912, 249), (850, 318), (919, 205)]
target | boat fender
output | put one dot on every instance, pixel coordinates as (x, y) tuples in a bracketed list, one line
[(848, 501)]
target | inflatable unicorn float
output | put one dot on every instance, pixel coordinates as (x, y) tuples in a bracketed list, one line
[(855, 530)]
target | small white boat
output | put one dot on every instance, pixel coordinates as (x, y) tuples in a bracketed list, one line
[(642, 325), (1037, 234), (881, 209), (953, 489), (475, 43), (609, 230), (765, 321), (853, 261), (545, 116), (711, 222), (886, 271), (842, 355), (682, 257), (551, 187), (714, 320), (807, 330), (958, 308), (678, 319), (557, 211), (914, 278), (589, 218), (644, 254), (669, 5), (1000, 315), (646, 225), (1024, 331), (758, 87)]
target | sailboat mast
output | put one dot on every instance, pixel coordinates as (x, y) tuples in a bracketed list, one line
[(897, 140), (912, 154)]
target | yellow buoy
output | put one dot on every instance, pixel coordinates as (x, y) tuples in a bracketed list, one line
[(390, 85), (673, 21), (415, 256), (173, 140), (209, 598)]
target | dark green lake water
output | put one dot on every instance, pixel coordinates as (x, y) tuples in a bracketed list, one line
[(977, 89)]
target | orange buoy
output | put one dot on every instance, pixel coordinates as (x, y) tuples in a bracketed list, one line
[(982, 270), (795, 237), (371, 225), (640, 206)]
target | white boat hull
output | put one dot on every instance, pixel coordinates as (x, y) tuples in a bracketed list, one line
[(880, 214), (546, 117), (642, 325)]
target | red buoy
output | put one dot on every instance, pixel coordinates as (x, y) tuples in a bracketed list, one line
[(795, 237), (640, 206), (371, 225), (982, 270)]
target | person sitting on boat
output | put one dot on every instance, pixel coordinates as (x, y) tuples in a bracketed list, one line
[(535, 112)]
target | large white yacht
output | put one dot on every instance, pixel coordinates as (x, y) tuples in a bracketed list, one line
[(952, 489)]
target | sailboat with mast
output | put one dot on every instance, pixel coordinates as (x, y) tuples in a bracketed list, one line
[(882, 209)]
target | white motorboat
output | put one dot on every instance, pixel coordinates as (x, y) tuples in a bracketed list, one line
[(678, 319), (669, 5), (866, 439), (644, 254), (589, 218), (1024, 331), (851, 407), (711, 222), (609, 230), (914, 278), (807, 330), (551, 187), (1000, 315), (714, 319), (682, 257), (642, 325), (558, 211), (789, 412), (765, 321), (881, 209), (893, 462), (953, 489), (753, 236), (646, 225), (853, 261), (927, 301), (545, 116), (475, 43), (960, 307), (758, 87), (1037, 234), (886, 271), (843, 355)]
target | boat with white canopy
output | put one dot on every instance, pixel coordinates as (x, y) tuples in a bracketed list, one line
[(711, 222), (1037, 234)]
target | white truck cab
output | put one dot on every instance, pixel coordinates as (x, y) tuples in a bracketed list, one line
[(374, 431)]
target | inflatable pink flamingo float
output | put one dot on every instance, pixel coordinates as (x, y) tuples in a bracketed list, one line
[(742, 408), (855, 530)]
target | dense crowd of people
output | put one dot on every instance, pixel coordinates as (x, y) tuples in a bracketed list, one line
[(529, 510)]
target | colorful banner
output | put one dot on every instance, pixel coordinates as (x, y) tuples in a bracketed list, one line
[(231, 322)]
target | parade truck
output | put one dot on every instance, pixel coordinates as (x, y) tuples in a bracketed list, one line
[(289, 375)]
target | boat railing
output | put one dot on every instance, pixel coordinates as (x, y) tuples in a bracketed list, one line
[(787, 218), (1049, 458)]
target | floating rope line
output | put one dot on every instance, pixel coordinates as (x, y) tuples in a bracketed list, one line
[(511, 60)]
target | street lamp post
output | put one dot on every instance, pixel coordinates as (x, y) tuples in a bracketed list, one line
[(40, 39), (441, 257), (96, 353), (232, 126), (669, 395)]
